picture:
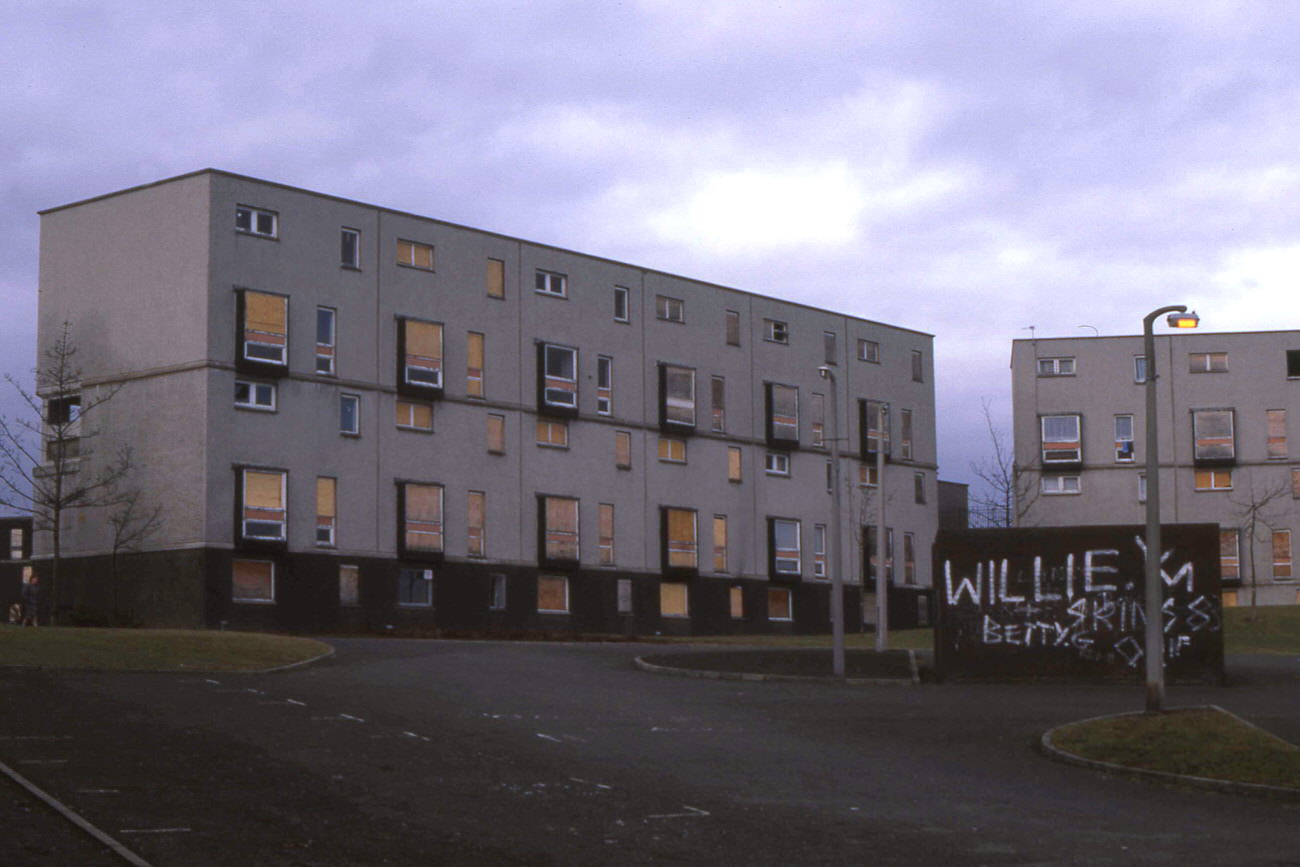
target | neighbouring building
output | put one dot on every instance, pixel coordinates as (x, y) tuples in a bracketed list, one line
[(15, 559), (355, 417), (1227, 404)]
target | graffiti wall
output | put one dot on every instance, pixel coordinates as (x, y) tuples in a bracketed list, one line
[(1068, 602)]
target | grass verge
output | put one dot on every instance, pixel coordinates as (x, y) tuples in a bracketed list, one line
[(1198, 742), (1267, 629), (152, 649), (899, 639)]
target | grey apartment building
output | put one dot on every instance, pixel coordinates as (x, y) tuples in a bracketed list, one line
[(357, 418), (1227, 404)]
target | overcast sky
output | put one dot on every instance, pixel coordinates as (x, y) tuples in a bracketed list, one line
[(964, 168)]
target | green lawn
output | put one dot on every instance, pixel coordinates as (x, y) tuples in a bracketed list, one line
[(1200, 742), (152, 649), (899, 639), (1266, 629)]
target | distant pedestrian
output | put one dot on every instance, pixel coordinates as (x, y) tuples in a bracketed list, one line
[(31, 600)]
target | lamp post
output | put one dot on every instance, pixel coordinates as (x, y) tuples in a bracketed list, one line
[(1155, 648), (882, 583), (837, 556)]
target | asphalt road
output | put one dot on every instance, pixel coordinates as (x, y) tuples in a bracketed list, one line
[(451, 753)]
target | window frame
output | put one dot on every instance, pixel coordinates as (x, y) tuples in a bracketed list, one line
[(552, 284), (1140, 369), (721, 550), (1125, 454), (731, 327), (272, 344), (820, 567), (349, 599), (918, 366), (776, 331), (475, 377), (622, 450), (326, 351), (495, 288), (1230, 560), (554, 545), (269, 598), (868, 350), (905, 434), (735, 464), (670, 309), (830, 348), (717, 404), (784, 562), (1275, 434), (670, 406), (430, 368), (1212, 479), (1283, 566), (347, 399), (1207, 362), (353, 247), (672, 450), (685, 591), (557, 393), (253, 386), (255, 215), (605, 534), (1064, 365), (553, 581), (678, 556), (476, 533), (327, 523), (604, 385), (918, 487), (413, 248), (269, 515), (406, 575), (1070, 449), (777, 593), (1203, 444), (434, 527), (782, 428), (1059, 484), (495, 433), (776, 464), (622, 305), (552, 433)]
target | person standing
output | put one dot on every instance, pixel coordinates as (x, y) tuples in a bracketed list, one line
[(31, 600)]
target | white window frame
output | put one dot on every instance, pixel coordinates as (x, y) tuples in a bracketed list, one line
[(551, 283), (819, 551), (776, 464), (328, 369), (622, 304), (254, 389), (605, 381), (414, 245), (559, 397), (1069, 457), (251, 219), (355, 401), (776, 331), (282, 524), (1054, 485), (1196, 433), (1139, 369), (1124, 455), (1064, 366), (793, 565), (1207, 362), (670, 309), (678, 402), (789, 604), (354, 247), (868, 350)]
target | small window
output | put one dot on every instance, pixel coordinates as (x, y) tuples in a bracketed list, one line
[(817, 420), (496, 434), (1139, 368), (1213, 430), (819, 551), (734, 461), (559, 378), (867, 476), (421, 506), (552, 434), (674, 599), (719, 412), (783, 534), (1207, 362), (420, 355), (605, 540), (670, 309), (621, 304), (559, 529), (265, 332), (829, 352), (776, 331), (1213, 480), (497, 591), (496, 278), (604, 385), (720, 543), (1060, 484), (413, 254), (551, 283), (350, 248), (326, 323), (263, 512), (1293, 363), (874, 429), (476, 524), (676, 396), (326, 510), (672, 450), (349, 414), (252, 581), (254, 395), (909, 558), (736, 602), (349, 585), (1230, 555), (474, 351), (733, 328), (415, 588), (1124, 439), (1276, 434), (777, 464), (868, 351), (1061, 440), (256, 221), (680, 539), (780, 604), (918, 488), (918, 366), (1282, 555), (623, 450), (1054, 367), (624, 596), (1295, 482), (905, 434), (16, 543), (552, 594)]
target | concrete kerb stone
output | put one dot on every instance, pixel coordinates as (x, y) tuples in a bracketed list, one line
[(754, 677), (330, 651), (1258, 790)]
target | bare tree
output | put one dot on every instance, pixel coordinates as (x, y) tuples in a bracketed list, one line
[(1256, 508), (46, 456), (132, 523), (1009, 490)]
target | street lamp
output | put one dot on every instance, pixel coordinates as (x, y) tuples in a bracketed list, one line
[(882, 582), (1155, 649), (837, 556)]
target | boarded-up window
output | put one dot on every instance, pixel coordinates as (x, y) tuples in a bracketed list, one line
[(623, 450), (476, 524), (496, 434), (819, 551), (415, 255), (1295, 482), (349, 585), (422, 362), (672, 450), (817, 420), (1229, 555), (266, 329), (474, 364), (782, 412), (606, 540), (1277, 434), (719, 543), (497, 592), (867, 477), (552, 433), (625, 596), (1281, 553), (719, 394), (16, 543), (905, 434), (1213, 480), (680, 542), (1207, 362), (736, 602), (560, 533), (1213, 430), (422, 530), (735, 460), (909, 558), (604, 385), (553, 594), (673, 599), (418, 416), (252, 581), (496, 278), (263, 507), (733, 328), (780, 605), (326, 510)]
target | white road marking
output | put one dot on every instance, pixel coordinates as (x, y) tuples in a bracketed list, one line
[(295, 701), (549, 738), (43, 762), (351, 717), (153, 830), (210, 680), (99, 791), (254, 691), (35, 737), (695, 813)]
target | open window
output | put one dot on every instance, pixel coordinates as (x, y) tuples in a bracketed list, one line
[(782, 415), (1062, 441), (558, 531), (263, 332), (419, 358), (557, 379), (679, 551), (783, 549), (420, 520), (676, 399)]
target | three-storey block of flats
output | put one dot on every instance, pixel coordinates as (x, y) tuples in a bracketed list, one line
[(1227, 404), (360, 418)]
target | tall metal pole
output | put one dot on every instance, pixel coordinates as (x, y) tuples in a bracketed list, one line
[(882, 585), (1155, 646), (837, 549)]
